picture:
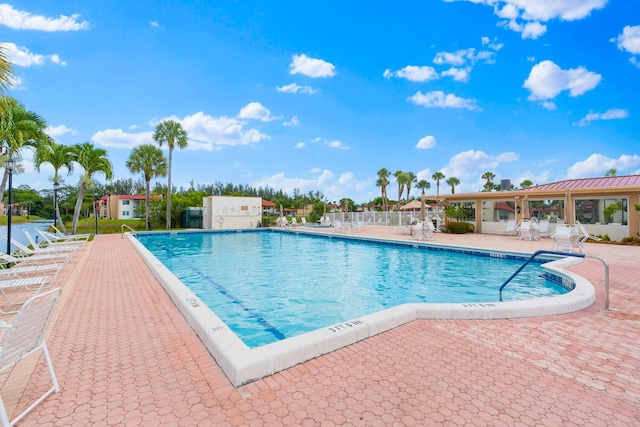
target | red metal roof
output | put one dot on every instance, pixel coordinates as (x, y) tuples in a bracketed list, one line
[(607, 181), (268, 203)]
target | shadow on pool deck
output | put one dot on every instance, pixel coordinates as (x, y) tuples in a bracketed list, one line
[(124, 355)]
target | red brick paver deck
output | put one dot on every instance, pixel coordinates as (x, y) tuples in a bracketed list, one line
[(124, 355)]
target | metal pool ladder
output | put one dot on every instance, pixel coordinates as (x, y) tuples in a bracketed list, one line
[(544, 252), (126, 226)]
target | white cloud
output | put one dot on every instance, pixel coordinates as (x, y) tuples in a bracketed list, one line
[(458, 74), (549, 105), (299, 145), (154, 24), (413, 73), (629, 41), (331, 144), (21, 20), (293, 122), (311, 67), (426, 142), (117, 138), (56, 131), (256, 111), (472, 164), (438, 99), (295, 88), (597, 164), (612, 114), (333, 187), (23, 57), (205, 133), (532, 12), (546, 80)]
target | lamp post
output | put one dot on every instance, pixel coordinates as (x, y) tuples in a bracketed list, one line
[(95, 208), (56, 186), (10, 164)]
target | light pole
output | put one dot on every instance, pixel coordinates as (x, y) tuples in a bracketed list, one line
[(10, 163), (56, 186), (95, 208)]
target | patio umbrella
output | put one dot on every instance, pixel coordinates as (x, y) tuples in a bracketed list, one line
[(346, 209), (281, 221), (525, 208), (423, 211)]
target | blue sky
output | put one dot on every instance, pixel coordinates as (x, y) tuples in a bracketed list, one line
[(319, 96)]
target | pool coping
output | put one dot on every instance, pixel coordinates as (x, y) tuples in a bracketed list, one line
[(242, 364)]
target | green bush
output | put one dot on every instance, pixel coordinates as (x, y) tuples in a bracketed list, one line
[(459, 227)]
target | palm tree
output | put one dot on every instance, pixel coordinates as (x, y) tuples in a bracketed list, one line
[(411, 178), (59, 156), (20, 128), (6, 78), (526, 183), (401, 179), (149, 160), (92, 160), (488, 176), (453, 181), (611, 172), (437, 177), (382, 182), (171, 133), (423, 184)]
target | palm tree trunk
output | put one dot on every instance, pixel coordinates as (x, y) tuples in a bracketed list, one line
[(5, 177), (147, 214), (76, 211), (168, 221)]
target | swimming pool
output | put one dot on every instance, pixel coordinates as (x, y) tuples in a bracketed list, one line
[(243, 364), (270, 286)]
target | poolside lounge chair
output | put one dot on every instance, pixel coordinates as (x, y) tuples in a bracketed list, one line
[(32, 260), (511, 229), (80, 236), (25, 337), (345, 228), (304, 221), (294, 222), (422, 231), (51, 239), (584, 236), (45, 245), (24, 250), (29, 283)]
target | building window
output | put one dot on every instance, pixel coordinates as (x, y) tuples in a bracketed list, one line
[(126, 202), (602, 211), (125, 213)]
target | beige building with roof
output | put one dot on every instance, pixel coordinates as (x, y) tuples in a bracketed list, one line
[(606, 206)]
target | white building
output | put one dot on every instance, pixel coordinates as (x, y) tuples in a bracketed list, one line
[(228, 212)]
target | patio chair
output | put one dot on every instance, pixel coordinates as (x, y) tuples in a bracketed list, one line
[(24, 337), (304, 221), (563, 239), (511, 229), (294, 222), (543, 231), (7, 260), (525, 230)]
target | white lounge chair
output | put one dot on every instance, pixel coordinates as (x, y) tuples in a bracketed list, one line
[(584, 235), (511, 229), (45, 245), (7, 260), (29, 283), (80, 236), (304, 221), (52, 239), (25, 251), (422, 231), (25, 337), (294, 222)]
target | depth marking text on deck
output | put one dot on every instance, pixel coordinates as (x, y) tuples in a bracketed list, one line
[(344, 326)]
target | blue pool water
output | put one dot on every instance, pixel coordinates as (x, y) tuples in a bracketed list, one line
[(267, 286)]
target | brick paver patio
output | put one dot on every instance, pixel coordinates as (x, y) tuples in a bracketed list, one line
[(124, 355)]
